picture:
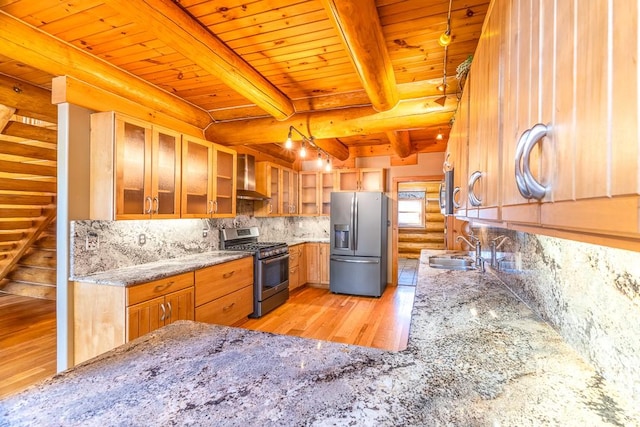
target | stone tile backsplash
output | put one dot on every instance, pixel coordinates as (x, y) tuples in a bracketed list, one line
[(590, 294), (127, 243)]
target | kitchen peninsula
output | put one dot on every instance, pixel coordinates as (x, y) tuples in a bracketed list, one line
[(476, 356)]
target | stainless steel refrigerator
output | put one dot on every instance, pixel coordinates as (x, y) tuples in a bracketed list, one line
[(358, 230)]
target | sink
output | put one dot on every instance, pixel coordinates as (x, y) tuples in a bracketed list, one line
[(452, 262)]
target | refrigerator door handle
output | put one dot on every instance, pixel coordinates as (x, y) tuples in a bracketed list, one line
[(351, 225), (355, 223), (355, 261)]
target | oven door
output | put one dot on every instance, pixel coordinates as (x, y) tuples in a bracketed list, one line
[(273, 275)]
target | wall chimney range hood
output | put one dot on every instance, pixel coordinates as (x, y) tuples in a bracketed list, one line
[(246, 184)]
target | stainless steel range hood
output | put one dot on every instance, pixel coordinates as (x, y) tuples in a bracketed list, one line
[(246, 185)]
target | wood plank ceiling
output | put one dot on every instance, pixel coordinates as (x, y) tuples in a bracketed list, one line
[(247, 70)]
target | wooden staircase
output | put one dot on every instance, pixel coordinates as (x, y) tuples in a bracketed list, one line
[(27, 204)]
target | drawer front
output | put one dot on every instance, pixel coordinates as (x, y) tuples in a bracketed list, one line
[(228, 309), (157, 288), (222, 279)]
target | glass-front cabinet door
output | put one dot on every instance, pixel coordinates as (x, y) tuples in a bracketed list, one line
[(197, 172), (166, 174), (133, 169), (225, 184)]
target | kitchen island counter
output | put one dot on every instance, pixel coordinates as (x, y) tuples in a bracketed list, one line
[(476, 356)]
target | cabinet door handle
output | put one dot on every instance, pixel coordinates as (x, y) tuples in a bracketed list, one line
[(170, 310), (456, 192), (270, 207), (210, 207), (164, 312), (228, 307), (537, 190), (522, 186), (473, 199), (147, 203), (215, 206), (446, 166), (227, 275), (156, 204)]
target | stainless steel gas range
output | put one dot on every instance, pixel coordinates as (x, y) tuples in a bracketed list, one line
[(270, 267)]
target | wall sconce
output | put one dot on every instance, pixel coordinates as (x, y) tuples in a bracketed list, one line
[(303, 147)]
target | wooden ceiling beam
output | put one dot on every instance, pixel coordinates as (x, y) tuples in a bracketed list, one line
[(359, 26), (27, 99), (36, 133), (175, 27), (40, 50), (325, 125), (400, 142), (6, 113)]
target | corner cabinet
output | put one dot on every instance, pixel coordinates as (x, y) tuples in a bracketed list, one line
[(135, 169), (208, 181), (362, 179), (108, 316)]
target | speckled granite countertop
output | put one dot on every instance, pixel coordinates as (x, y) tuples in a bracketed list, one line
[(476, 357), (142, 273)]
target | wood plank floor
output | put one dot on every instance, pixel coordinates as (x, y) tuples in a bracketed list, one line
[(27, 342), (317, 313)]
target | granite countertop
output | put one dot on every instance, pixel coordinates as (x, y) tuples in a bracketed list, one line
[(142, 273), (476, 356)]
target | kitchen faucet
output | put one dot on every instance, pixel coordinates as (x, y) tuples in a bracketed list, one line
[(494, 245), (478, 247)]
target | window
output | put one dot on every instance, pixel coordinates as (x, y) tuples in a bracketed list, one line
[(411, 213)]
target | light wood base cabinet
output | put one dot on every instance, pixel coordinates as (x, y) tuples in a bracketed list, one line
[(317, 264), (295, 261), (108, 316), (224, 292)]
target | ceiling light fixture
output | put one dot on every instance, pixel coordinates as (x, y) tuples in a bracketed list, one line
[(328, 166), (303, 146), (445, 38), (439, 135)]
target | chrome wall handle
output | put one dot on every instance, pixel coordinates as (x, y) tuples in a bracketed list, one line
[(473, 199), (456, 192), (537, 190), (520, 183), (527, 185)]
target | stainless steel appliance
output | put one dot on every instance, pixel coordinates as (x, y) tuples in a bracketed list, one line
[(446, 193), (358, 235), (270, 267), (246, 181)]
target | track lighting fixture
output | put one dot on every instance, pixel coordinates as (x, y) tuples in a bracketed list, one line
[(302, 153)]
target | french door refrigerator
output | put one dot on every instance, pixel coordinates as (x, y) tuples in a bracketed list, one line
[(358, 235)]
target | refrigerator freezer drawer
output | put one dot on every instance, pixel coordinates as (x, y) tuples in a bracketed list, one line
[(356, 276)]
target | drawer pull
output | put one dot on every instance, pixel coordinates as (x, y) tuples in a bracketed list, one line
[(163, 287), (227, 275), (228, 307)]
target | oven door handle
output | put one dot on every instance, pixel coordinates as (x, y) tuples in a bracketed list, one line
[(275, 259)]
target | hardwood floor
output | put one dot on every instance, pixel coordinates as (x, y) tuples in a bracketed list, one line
[(317, 313), (27, 342)]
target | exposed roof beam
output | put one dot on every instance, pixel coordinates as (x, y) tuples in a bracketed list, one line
[(167, 21), (37, 49), (400, 142), (6, 113), (28, 100), (359, 26), (323, 125)]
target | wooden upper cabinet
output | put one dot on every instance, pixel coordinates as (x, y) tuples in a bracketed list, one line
[(362, 179), (483, 85), (457, 155), (289, 192), (315, 192), (268, 183), (208, 181), (135, 169)]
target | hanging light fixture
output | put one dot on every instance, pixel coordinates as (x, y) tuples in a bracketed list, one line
[(303, 151), (439, 135), (445, 38), (319, 159), (303, 146), (328, 166), (288, 143)]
